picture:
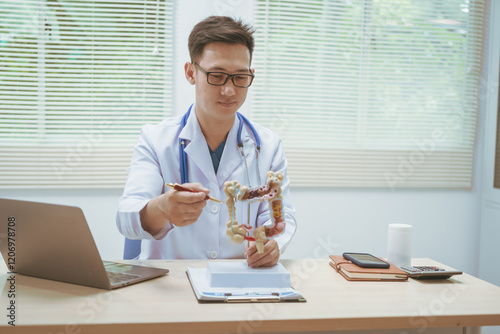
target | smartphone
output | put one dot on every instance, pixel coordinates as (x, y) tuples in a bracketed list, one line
[(366, 260)]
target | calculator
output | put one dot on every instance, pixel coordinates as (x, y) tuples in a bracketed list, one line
[(428, 272)]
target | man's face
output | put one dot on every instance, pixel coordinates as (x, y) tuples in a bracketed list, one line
[(219, 103)]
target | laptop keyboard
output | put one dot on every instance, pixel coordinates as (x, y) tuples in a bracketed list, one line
[(116, 278)]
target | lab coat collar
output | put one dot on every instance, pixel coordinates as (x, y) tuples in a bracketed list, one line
[(192, 129), (232, 157), (198, 154)]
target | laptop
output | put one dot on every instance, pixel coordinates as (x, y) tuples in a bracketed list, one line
[(54, 242)]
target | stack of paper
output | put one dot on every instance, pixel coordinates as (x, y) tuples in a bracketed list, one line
[(236, 282)]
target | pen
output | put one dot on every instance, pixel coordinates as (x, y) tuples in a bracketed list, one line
[(178, 187)]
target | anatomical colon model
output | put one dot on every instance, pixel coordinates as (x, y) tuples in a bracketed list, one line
[(271, 192)]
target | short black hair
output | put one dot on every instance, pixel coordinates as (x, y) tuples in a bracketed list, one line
[(219, 29)]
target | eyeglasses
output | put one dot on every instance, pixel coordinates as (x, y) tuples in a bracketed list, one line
[(220, 78)]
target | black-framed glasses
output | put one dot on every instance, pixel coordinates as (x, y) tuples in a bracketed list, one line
[(220, 78)]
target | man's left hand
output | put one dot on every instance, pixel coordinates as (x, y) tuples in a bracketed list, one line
[(268, 258)]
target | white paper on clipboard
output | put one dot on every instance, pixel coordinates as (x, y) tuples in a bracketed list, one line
[(205, 293)]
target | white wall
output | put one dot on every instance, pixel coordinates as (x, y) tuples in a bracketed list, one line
[(330, 221), (446, 223), (490, 199), (490, 202)]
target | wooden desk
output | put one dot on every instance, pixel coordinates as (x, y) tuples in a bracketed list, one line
[(168, 305)]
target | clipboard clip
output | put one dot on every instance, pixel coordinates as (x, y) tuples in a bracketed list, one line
[(253, 297)]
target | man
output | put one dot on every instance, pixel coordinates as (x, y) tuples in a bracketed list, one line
[(179, 224)]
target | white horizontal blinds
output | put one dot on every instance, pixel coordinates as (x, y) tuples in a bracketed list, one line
[(78, 80), (371, 93)]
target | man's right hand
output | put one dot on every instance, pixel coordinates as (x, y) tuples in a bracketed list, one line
[(183, 208), (180, 208)]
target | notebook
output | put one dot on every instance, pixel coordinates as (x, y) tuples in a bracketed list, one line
[(352, 272), (54, 242)]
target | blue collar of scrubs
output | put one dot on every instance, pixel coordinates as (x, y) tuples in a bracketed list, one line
[(182, 143), (217, 155)]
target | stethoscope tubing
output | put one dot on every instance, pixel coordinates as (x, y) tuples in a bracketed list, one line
[(182, 145)]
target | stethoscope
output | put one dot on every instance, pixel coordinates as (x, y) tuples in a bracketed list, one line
[(243, 119)]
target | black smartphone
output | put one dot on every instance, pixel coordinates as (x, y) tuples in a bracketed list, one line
[(366, 260)]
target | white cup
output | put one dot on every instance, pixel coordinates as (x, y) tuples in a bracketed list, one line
[(399, 245)]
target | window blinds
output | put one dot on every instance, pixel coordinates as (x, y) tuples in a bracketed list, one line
[(371, 93), (78, 79)]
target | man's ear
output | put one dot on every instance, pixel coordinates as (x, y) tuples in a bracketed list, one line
[(189, 72)]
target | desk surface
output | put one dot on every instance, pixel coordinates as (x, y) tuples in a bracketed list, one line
[(333, 303)]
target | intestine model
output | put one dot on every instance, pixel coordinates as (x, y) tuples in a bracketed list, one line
[(271, 192)]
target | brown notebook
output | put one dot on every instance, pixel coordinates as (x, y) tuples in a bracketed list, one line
[(352, 272)]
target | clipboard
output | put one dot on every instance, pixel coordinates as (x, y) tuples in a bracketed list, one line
[(242, 286)]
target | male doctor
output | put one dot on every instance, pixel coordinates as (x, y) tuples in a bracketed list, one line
[(183, 225)]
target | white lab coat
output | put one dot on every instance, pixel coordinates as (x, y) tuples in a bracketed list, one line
[(155, 161)]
